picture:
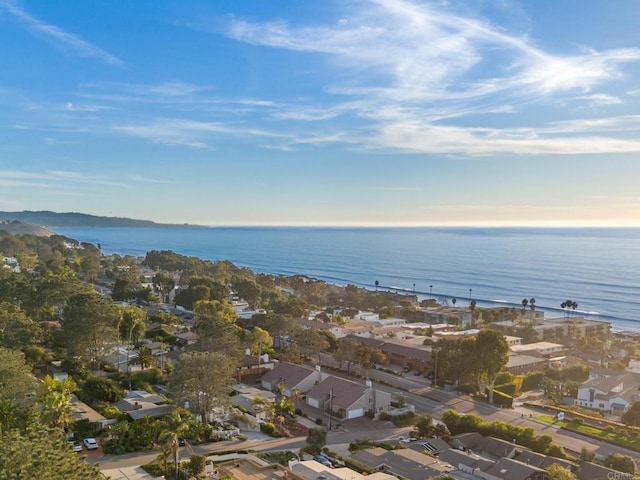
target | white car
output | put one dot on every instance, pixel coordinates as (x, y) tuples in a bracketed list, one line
[(76, 446), (90, 443)]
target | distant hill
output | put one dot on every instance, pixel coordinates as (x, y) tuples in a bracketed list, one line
[(53, 219), (18, 228)]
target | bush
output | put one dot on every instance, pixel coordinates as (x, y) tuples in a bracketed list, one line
[(504, 377), (270, 429), (500, 398), (467, 389), (506, 388), (532, 381), (298, 411), (319, 421)]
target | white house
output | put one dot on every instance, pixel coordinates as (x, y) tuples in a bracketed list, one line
[(613, 394)]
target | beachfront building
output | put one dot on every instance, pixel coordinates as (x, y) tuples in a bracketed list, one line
[(539, 348), (457, 316), (571, 327)]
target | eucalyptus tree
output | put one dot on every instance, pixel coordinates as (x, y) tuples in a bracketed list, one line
[(203, 380), (89, 327)]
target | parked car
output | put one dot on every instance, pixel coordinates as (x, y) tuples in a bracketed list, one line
[(323, 460), (90, 443), (181, 442), (76, 446)]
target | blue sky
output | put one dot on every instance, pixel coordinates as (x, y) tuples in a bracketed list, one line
[(280, 112)]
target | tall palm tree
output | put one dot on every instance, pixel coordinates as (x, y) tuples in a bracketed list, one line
[(174, 426)]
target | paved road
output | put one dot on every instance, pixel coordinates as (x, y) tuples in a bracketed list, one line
[(434, 402), (426, 401)]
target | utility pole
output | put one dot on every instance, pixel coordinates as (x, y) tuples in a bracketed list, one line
[(330, 408)]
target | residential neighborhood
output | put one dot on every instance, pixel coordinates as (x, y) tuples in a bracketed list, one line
[(220, 368)]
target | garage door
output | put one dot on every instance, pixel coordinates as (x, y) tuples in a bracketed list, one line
[(358, 412)]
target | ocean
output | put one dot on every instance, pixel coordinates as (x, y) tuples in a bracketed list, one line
[(596, 267)]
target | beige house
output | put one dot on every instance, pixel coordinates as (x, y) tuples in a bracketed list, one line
[(291, 377)]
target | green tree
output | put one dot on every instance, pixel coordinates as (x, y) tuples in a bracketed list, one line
[(632, 416), (41, 453), (216, 328), (491, 354), (203, 379), (259, 340), (424, 427), (144, 358), (164, 285), (172, 427), (16, 329), (99, 389), (196, 465), (312, 341), (316, 439), (620, 462), (347, 351), (54, 399), (587, 455), (15, 376), (89, 327), (558, 472)]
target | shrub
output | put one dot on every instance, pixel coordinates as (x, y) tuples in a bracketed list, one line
[(298, 411), (319, 421), (500, 398), (506, 388), (270, 429), (532, 381), (467, 389), (504, 377)]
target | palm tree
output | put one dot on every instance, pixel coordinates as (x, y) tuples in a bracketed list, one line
[(174, 426), (144, 358)]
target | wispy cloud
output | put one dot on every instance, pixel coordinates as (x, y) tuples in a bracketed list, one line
[(411, 68), (53, 178), (190, 133), (60, 38)]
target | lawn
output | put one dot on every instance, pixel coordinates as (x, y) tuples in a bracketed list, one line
[(609, 436)]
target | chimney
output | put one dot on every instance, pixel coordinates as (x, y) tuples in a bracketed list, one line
[(317, 368), (368, 383), (247, 352)]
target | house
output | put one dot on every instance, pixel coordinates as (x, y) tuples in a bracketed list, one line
[(467, 462), (492, 448), (519, 364), (613, 394), (313, 470), (592, 471), (138, 404), (543, 461), (291, 377), (254, 365), (80, 411), (253, 400), (348, 399), (509, 469), (539, 348), (405, 463)]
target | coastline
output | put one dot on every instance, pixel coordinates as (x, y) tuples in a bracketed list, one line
[(501, 267)]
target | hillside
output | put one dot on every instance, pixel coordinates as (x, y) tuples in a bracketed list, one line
[(18, 228), (53, 219)]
